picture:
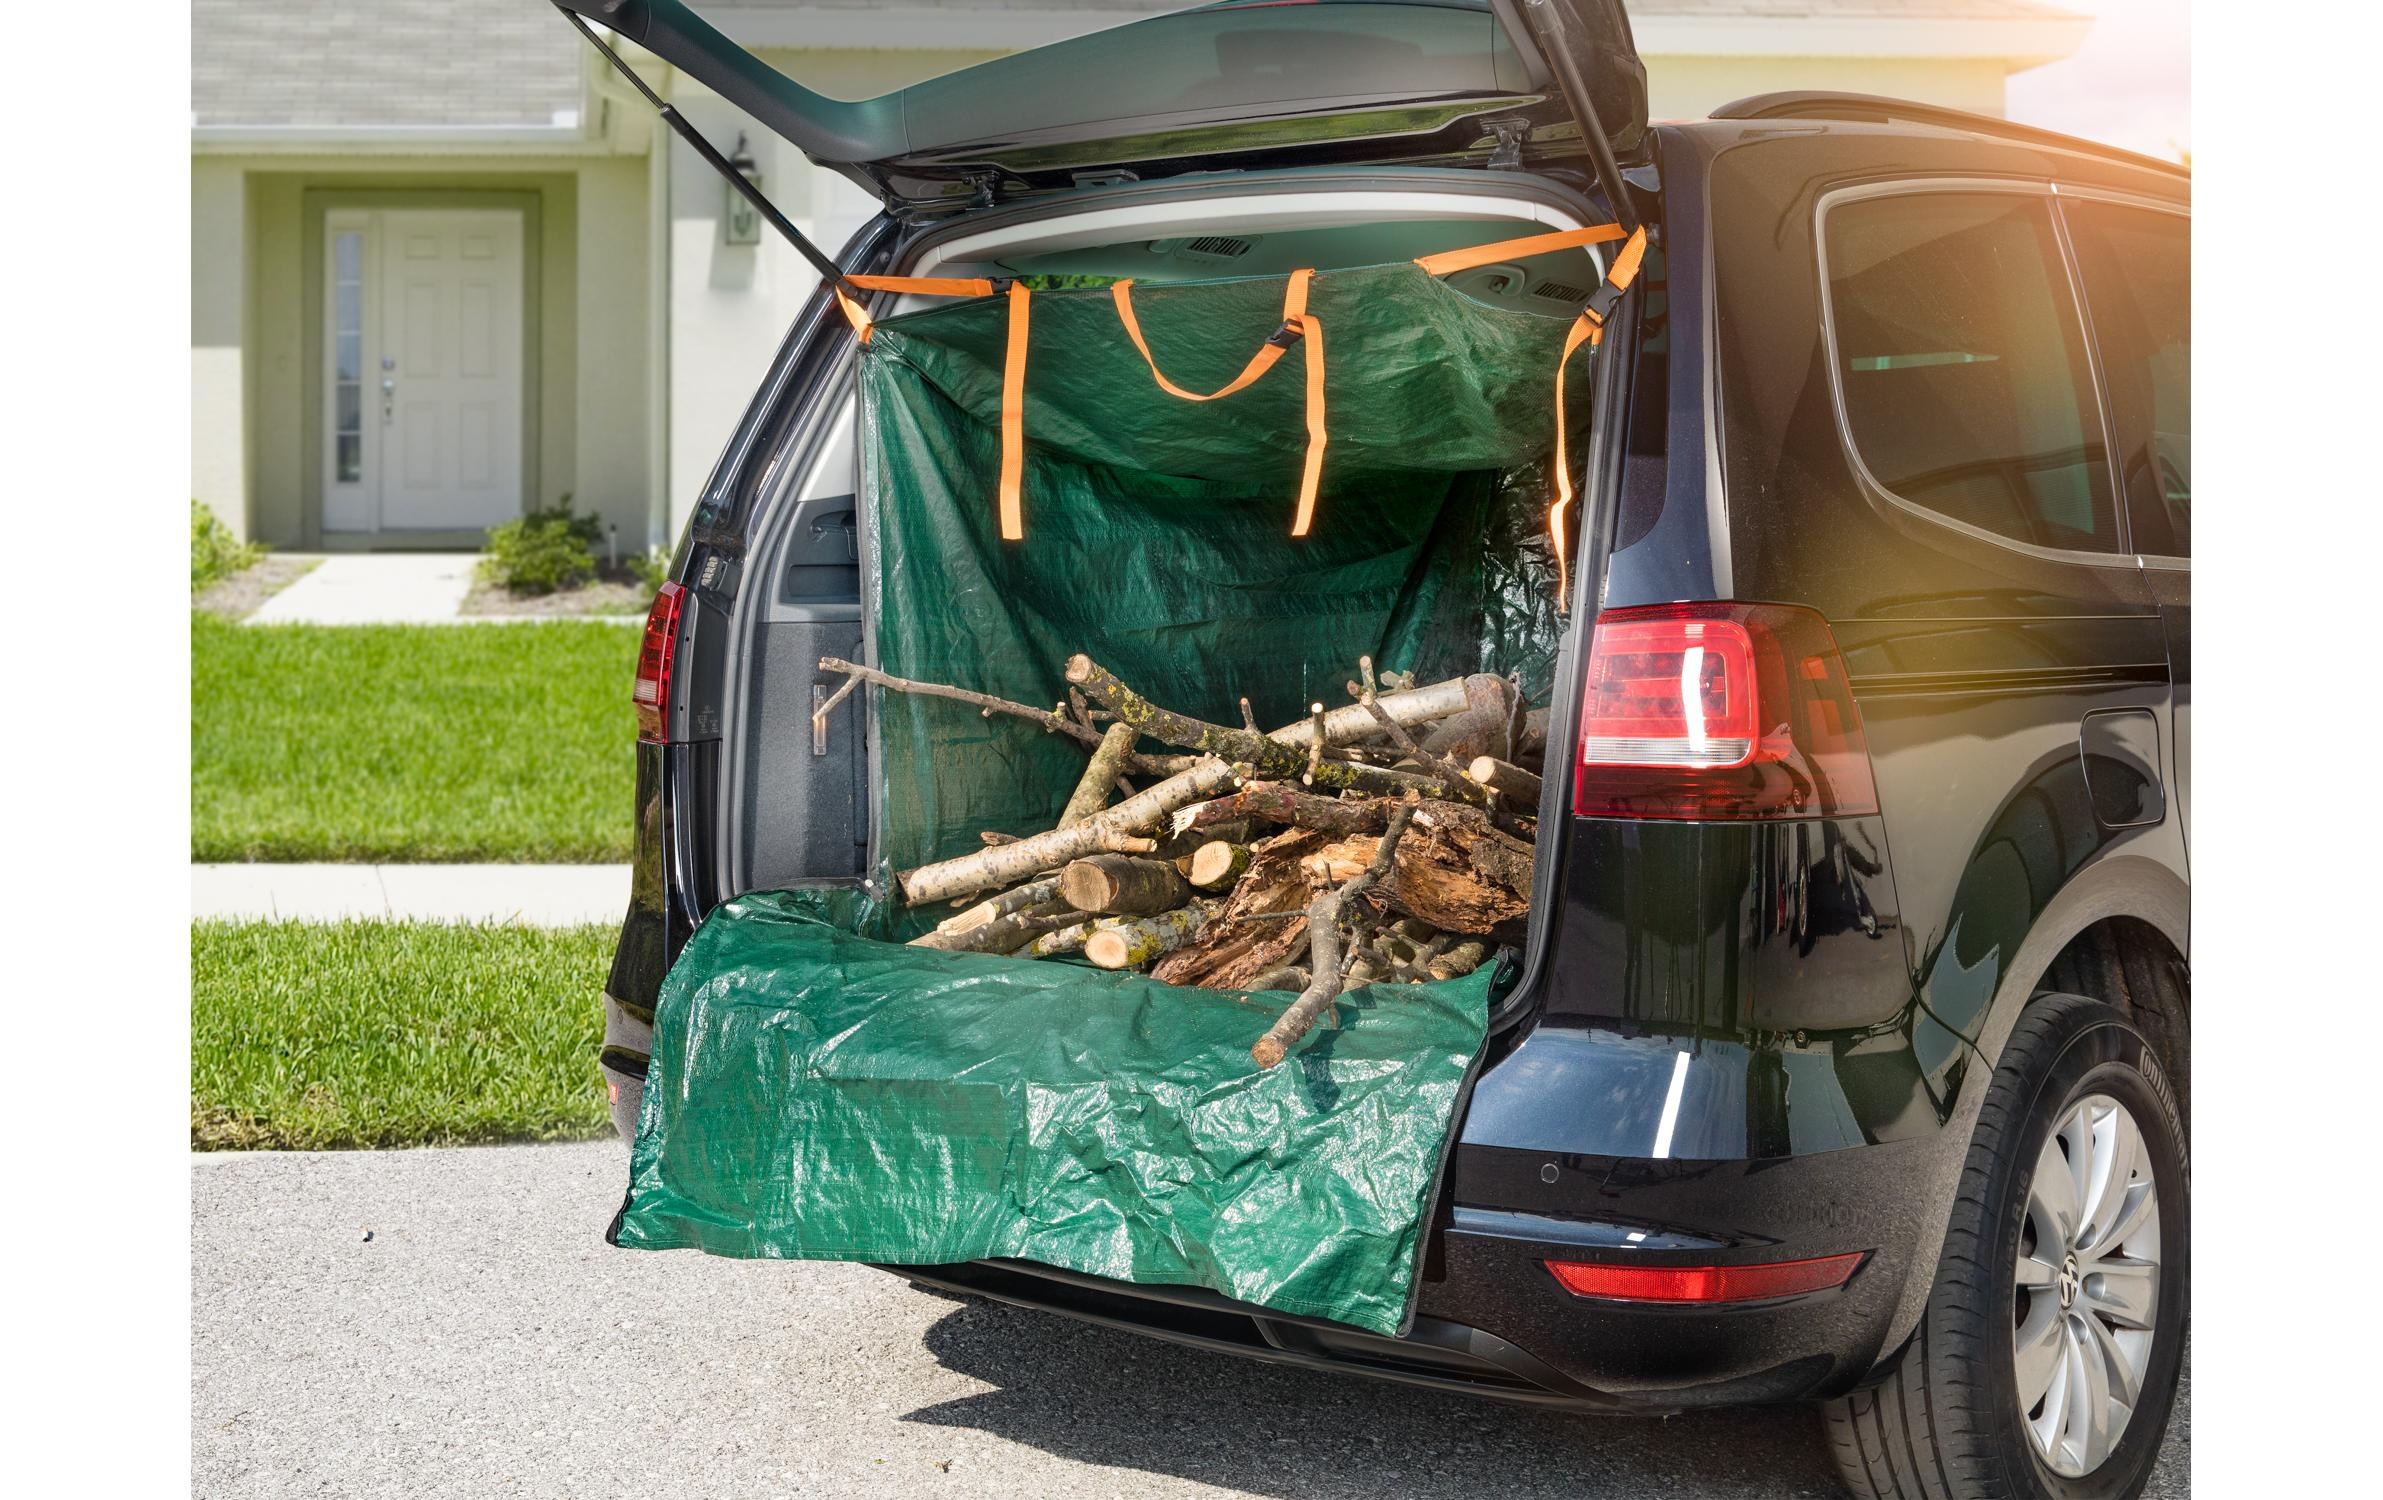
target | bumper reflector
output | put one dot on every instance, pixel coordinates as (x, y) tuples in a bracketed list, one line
[(1703, 1283)]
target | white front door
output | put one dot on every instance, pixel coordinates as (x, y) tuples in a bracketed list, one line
[(423, 370)]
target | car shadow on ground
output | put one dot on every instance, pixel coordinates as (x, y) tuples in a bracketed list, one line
[(1095, 1395)]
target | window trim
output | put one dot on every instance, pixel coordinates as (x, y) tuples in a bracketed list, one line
[(2062, 195), (2010, 187)]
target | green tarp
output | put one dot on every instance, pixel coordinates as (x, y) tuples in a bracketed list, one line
[(818, 1090), (819, 1096)]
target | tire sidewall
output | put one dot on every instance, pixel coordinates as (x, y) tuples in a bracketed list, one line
[(2099, 1054)]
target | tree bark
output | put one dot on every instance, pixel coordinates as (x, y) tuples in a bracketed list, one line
[(1217, 865), (1323, 946), (988, 868), (1455, 869), (987, 704), (1131, 944), (1280, 802), (1004, 934), (1506, 777), (1033, 893), (1458, 961), (1274, 757), (1258, 928), (1092, 792), (1121, 885)]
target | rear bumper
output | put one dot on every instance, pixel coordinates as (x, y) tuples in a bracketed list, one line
[(1492, 1321)]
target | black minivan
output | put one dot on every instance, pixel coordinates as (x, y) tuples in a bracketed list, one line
[(1882, 1109)]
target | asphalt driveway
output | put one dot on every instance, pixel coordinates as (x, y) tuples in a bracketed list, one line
[(484, 1341)]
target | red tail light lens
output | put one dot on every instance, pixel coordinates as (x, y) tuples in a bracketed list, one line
[(1719, 711), (1787, 1278), (654, 658)]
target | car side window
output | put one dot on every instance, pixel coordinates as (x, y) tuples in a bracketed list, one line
[(1962, 362), (2138, 269)]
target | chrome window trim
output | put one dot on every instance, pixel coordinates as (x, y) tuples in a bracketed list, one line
[(2162, 562), (2014, 187)]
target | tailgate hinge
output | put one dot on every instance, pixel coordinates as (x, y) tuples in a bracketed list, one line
[(1511, 131)]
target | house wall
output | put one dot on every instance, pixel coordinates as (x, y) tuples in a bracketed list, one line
[(256, 367), (218, 341), (1681, 87), (730, 305)]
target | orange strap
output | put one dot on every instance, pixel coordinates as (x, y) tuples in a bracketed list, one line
[(1013, 371), (1298, 325), (1589, 329), (1013, 417), (924, 286), (1449, 262)]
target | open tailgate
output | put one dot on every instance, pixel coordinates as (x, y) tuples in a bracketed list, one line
[(1243, 84)]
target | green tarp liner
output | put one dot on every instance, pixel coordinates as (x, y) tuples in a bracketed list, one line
[(818, 1090)]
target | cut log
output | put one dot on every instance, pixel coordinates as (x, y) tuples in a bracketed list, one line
[(1504, 776), (1003, 934), (1277, 756), (1129, 945), (1280, 802), (1215, 866), (991, 868), (1455, 869), (1071, 938), (1458, 961), (1092, 792), (1121, 885), (1290, 977), (1323, 946), (1531, 744), (1260, 926), (1484, 728), (1033, 893)]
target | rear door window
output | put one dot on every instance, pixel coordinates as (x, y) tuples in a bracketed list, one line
[(1962, 361), (2138, 269)]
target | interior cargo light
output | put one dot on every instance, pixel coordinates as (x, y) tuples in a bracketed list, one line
[(654, 658), (1719, 711), (1704, 1283)]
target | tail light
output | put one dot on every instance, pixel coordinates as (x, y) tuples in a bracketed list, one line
[(1787, 1278), (654, 658), (1719, 711)]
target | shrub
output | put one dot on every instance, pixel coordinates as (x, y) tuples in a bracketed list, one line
[(214, 551), (652, 568), (544, 551)]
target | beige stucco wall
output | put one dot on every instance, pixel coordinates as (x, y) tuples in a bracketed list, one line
[(218, 341), (1681, 88), (730, 305), (253, 459)]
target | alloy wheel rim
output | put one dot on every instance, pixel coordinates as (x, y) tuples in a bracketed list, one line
[(2088, 1282)]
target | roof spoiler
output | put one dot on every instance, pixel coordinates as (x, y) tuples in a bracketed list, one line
[(826, 129)]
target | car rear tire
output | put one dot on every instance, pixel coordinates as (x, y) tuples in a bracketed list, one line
[(2058, 1296)]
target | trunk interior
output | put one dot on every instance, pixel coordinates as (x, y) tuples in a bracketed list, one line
[(1436, 570)]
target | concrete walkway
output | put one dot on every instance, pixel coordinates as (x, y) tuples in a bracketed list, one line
[(536, 895), (381, 588)]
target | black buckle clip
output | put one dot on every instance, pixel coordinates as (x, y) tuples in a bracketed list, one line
[(1288, 334), (1000, 284), (1601, 303)]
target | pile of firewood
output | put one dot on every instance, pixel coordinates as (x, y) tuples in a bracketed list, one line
[(1386, 842)]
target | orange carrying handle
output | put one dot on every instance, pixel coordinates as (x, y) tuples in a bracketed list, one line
[(1298, 326)]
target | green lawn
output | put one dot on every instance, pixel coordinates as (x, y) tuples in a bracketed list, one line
[(413, 743), (312, 1036)]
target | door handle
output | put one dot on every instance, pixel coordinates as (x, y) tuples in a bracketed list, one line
[(388, 398)]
